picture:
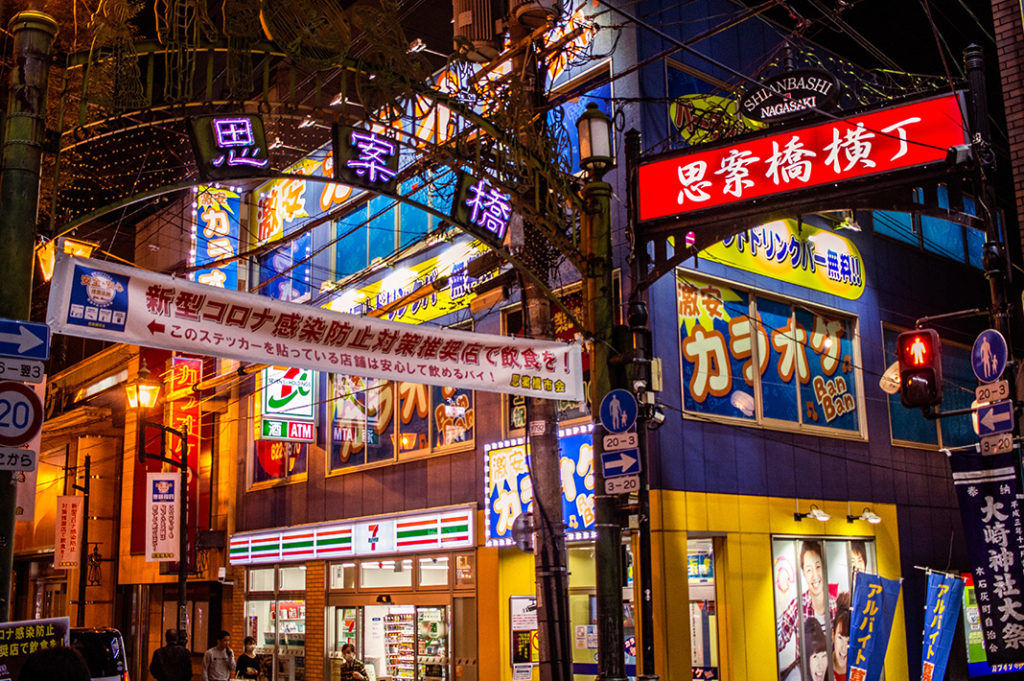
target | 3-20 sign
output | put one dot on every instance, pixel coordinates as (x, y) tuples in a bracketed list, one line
[(21, 413)]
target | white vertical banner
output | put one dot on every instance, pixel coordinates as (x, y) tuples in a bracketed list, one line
[(163, 504), (68, 545), (25, 495)]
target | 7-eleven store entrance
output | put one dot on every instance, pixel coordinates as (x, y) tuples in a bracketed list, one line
[(401, 588)]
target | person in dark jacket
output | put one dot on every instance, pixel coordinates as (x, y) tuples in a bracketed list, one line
[(351, 669), (172, 661)]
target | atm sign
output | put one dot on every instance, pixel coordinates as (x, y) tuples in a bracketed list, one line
[(274, 429)]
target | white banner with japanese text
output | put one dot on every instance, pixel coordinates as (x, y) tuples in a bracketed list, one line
[(162, 524), (67, 547), (107, 301)]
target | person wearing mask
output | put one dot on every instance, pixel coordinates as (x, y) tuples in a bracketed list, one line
[(351, 669), (219, 661), (248, 667), (171, 662)]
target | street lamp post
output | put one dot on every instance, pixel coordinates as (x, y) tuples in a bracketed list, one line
[(142, 394), (596, 159)]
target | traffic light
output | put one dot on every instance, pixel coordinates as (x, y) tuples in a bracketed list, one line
[(920, 356)]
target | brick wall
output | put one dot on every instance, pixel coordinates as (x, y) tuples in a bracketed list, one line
[(1009, 34), (316, 589)]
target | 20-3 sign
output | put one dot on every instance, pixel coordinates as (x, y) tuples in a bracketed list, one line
[(21, 413)]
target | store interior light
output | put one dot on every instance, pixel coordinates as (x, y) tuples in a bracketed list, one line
[(867, 516), (815, 513)]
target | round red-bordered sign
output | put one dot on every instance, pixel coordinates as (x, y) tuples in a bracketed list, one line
[(21, 413)]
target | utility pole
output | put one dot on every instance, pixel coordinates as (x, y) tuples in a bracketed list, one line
[(551, 570), (25, 126), (83, 559), (596, 240)]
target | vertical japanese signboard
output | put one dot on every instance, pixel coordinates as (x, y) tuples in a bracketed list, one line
[(874, 606), (21, 639), (940, 615), (162, 523), (989, 495), (67, 548), (185, 417), (216, 236)]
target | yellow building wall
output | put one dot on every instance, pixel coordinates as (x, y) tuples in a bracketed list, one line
[(746, 608)]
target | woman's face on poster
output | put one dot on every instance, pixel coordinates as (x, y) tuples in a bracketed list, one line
[(812, 573), (840, 647)]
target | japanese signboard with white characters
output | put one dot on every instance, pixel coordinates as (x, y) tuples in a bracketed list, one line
[(479, 204), (215, 236), (229, 146), (509, 489), (942, 610), (989, 494), (163, 506), (895, 138), (871, 615), (160, 311), (366, 159)]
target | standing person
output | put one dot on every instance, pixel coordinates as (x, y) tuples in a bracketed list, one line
[(351, 669), (172, 661), (248, 666), (219, 661)]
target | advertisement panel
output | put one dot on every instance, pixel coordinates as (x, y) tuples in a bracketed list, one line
[(21, 639), (508, 488), (215, 236), (67, 548), (285, 405), (185, 416), (813, 583), (107, 301), (163, 506)]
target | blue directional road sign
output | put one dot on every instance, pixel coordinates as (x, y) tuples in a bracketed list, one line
[(995, 417), (625, 462), (26, 340), (618, 411), (988, 356)]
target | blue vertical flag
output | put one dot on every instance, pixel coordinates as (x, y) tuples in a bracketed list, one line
[(874, 606), (940, 616), (989, 495)]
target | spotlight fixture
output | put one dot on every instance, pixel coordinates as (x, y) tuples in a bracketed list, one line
[(815, 513), (867, 515)]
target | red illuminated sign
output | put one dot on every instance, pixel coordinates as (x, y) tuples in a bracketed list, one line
[(917, 351), (891, 139)]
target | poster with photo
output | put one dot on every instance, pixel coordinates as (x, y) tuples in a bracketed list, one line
[(812, 579)]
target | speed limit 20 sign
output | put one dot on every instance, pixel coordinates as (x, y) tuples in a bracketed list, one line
[(21, 413)]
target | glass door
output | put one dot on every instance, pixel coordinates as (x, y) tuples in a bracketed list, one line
[(432, 643), (344, 626)]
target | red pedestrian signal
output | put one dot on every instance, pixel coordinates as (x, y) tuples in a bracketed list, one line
[(920, 356)]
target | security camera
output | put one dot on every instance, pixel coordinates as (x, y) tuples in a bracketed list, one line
[(222, 576)]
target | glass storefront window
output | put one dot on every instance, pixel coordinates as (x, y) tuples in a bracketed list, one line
[(813, 581), (434, 571), (385, 574), (700, 569), (343, 576), (292, 578), (261, 579)]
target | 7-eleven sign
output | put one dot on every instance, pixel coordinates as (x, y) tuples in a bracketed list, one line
[(376, 536)]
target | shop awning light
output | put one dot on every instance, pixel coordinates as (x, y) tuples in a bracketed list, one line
[(815, 513), (867, 516)]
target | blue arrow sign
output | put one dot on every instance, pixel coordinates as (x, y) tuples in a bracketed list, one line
[(625, 462), (618, 411), (988, 356), (994, 418), (26, 340)]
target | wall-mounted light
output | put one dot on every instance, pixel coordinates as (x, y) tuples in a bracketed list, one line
[(815, 513), (867, 515)]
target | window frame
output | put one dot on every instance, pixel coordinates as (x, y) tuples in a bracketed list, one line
[(759, 420)]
